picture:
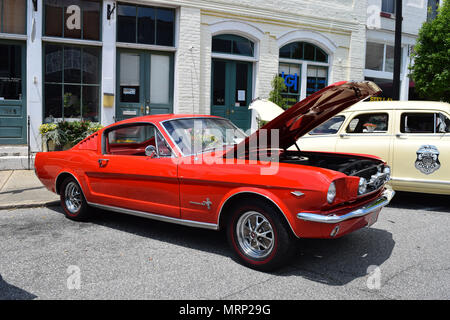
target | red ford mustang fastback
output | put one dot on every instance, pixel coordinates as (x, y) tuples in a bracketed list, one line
[(202, 171)]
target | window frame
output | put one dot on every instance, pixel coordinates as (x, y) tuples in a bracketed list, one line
[(435, 114), (394, 6), (357, 114), (141, 44), (157, 131)]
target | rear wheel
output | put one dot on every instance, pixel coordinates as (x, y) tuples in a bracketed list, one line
[(259, 237), (73, 201)]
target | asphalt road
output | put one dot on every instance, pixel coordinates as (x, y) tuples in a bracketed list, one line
[(43, 255)]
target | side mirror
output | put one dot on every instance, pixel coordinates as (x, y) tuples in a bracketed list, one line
[(150, 151)]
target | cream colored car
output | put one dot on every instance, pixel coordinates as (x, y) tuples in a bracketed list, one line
[(412, 136)]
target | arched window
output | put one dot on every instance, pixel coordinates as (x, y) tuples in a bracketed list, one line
[(233, 44), (304, 67)]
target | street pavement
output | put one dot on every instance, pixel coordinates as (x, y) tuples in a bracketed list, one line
[(43, 255)]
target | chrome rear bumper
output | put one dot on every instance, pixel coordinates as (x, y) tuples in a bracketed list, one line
[(377, 204)]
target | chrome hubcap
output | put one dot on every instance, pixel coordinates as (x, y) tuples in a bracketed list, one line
[(255, 234), (72, 197)]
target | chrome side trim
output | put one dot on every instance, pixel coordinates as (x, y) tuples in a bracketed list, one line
[(420, 181), (260, 194), (379, 203), (142, 214)]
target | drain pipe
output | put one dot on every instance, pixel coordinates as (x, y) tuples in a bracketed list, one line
[(28, 139)]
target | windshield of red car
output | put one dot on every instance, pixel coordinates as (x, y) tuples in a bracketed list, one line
[(196, 135)]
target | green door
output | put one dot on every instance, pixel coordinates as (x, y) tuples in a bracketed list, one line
[(144, 83), (231, 91), (13, 111)]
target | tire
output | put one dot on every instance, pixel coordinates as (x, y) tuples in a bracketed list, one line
[(72, 200), (259, 236)]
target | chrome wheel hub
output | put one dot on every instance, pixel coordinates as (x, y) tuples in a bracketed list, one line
[(255, 234), (72, 195)]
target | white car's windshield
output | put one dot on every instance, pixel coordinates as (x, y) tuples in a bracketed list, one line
[(196, 135)]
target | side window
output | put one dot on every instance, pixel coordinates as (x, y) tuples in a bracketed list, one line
[(130, 140), (417, 122), (443, 124), (424, 123), (332, 126), (369, 123)]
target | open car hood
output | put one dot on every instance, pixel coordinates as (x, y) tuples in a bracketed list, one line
[(310, 113)]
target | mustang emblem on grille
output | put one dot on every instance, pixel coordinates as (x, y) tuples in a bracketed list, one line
[(427, 160)]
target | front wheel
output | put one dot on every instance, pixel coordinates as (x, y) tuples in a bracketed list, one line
[(73, 201), (259, 237)]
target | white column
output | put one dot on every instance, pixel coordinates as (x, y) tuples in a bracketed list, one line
[(34, 74), (108, 62)]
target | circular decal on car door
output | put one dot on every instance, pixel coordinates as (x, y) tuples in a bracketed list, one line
[(427, 160)]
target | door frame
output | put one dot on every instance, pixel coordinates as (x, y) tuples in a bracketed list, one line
[(145, 79), (24, 139)]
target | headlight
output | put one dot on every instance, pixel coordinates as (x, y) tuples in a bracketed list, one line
[(362, 187), (331, 194), (387, 170)]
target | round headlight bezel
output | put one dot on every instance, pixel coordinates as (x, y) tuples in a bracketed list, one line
[(331, 194), (362, 186)]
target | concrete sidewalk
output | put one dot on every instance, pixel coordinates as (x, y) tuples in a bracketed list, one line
[(22, 189)]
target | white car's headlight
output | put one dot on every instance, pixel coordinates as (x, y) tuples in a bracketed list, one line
[(331, 194), (362, 187)]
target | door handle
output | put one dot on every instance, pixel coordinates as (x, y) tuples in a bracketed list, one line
[(344, 135), (102, 162), (400, 136)]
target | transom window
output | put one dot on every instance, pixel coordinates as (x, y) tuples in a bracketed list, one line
[(369, 123), (233, 44), (303, 51), (79, 19), (145, 25), (12, 16)]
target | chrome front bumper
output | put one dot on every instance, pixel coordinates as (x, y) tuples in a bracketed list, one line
[(379, 203)]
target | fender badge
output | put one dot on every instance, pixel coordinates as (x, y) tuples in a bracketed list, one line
[(427, 160), (207, 203)]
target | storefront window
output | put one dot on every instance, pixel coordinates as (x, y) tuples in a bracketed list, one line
[(12, 16), (299, 62), (78, 19), (146, 25), (232, 44), (71, 82)]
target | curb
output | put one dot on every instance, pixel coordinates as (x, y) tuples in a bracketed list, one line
[(52, 203)]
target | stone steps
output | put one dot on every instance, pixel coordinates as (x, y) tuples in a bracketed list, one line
[(15, 158)]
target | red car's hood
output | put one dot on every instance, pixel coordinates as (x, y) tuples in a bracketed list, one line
[(312, 111)]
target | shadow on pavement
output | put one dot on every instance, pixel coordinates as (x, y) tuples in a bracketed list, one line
[(420, 201), (10, 292), (334, 262)]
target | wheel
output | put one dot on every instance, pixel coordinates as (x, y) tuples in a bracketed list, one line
[(73, 201), (259, 237)]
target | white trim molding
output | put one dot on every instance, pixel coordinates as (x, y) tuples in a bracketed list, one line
[(239, 28), (313, 37)]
